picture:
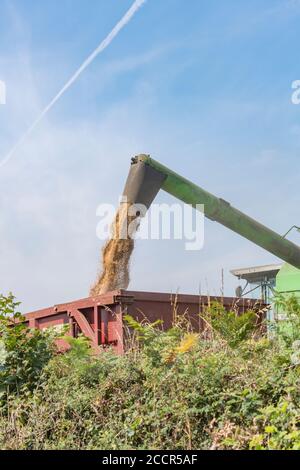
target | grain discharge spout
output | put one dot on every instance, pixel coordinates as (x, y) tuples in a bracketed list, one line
[(147, 177)]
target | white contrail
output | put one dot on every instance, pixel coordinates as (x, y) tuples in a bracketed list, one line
[(103, 45)]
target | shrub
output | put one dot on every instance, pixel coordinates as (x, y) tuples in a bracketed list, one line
[(232, 326), (288, 330), (171, 390), (23, 351)]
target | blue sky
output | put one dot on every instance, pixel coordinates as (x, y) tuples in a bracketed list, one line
[(203, 86)]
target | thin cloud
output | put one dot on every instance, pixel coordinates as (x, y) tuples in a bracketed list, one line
[(102, 46)]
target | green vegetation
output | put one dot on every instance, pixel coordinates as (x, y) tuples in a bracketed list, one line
[(172, 390)]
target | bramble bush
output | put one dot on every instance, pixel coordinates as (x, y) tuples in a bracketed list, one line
[(171, 390)]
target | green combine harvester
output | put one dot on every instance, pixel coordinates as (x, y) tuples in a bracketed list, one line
[(147, 177)]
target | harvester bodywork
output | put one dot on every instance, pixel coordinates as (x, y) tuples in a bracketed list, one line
[(288, 281)]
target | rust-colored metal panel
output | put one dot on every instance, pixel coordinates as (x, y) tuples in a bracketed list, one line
[(101, 318)]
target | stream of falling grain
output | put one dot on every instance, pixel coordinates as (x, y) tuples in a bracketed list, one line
[(116, 254)]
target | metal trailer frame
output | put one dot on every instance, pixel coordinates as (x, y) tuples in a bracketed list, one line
[(101, 318)]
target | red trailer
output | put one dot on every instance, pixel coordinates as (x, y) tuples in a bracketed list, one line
[(101, 318)]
